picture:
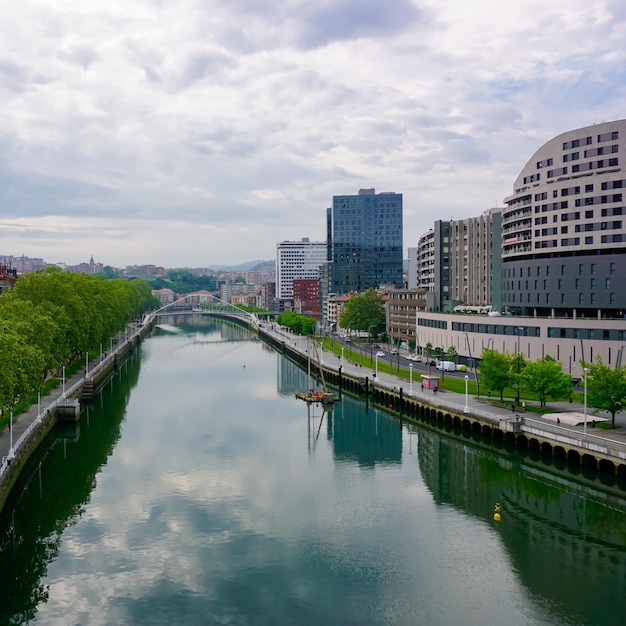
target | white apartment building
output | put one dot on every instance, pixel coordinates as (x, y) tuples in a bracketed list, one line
[(295, 260)]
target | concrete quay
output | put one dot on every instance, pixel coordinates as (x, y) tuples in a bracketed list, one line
[(568, 438), (21, 438)]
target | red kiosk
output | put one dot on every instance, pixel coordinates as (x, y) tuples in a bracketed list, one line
[(430, 382)]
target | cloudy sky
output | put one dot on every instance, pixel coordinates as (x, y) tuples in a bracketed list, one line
[(202, 132)]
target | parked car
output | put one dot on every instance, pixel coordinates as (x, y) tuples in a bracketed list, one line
[(380, 353), (575, 380), (393, 351)]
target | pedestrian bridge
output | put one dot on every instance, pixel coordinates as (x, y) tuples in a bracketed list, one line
[(211, 306)]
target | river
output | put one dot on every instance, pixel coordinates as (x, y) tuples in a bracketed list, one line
[(198, 490)]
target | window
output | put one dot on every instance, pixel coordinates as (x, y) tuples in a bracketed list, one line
[(581, 269), (607, 283), (593, 283), (577, 283), (611, 268), (588, 240), (592, 298), (588, 188), (593, 268), (611, 298), (581, 298)]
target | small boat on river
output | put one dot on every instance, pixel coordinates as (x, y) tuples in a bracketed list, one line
[(323, 397)]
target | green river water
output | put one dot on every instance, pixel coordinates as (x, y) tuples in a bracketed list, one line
[(198, 490)]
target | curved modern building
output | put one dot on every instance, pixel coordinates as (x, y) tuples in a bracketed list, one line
[(563, 228)]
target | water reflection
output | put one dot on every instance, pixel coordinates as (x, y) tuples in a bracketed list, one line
[(197, 490)]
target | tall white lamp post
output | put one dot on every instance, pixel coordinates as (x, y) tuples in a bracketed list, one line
[(64, 381), (341, 357), (585, 401), (466, 409), (376, 370), (11, 454), (410, 379)]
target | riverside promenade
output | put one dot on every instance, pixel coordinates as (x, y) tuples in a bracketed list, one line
[(15, 437), (570, 430), (562, 423)]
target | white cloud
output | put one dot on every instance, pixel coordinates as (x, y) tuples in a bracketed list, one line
[(218, 128)]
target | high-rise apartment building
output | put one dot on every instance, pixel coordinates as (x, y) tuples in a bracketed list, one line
[(297, 259), (365, 241), (457, 262), (564, 234)]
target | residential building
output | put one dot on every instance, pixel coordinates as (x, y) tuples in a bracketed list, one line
[(457, 262), (402, 308), (365, 241), (166, 296), (251, 298), (564, 231), (306, 297), (297, 260)]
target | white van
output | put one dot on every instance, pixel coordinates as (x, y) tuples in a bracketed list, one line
[(446, 366)]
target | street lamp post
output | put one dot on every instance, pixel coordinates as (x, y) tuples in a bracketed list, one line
[(519, 330), (11, 454), (342, 356), (376, 370), (410, 379), (64, 381), (466, 409), (585, 371)]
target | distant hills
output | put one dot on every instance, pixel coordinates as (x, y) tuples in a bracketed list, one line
[(250, 266)]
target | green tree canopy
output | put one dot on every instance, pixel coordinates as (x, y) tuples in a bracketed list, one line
[(545, 378), (606, 388), (365, 313), (495, 371), (299, 324), (51, 316)]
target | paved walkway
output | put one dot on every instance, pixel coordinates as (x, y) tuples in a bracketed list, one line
[(475, 405), (479, 406), (24, 420)]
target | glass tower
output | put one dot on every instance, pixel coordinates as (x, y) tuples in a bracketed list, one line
[(365, 241)]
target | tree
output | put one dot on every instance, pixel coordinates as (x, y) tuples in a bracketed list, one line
[(364, 313), (495, 371), (452, 354), (545, 377), (299, 324), (606, 388)]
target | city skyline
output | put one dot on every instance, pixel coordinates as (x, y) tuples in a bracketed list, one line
[(233, 128)]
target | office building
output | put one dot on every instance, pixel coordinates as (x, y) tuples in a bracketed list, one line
[(297, 260), (365, 241)]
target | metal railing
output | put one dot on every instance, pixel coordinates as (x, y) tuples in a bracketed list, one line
[(135, 330)]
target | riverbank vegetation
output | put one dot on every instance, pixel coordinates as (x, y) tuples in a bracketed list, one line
[(52, 318)]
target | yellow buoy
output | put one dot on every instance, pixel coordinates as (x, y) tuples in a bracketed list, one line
[(496, 512)]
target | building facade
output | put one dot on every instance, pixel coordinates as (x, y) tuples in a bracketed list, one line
[(306, 297), (459, 263), (564, 235), (297, 260), (365, 241), (402, 308)]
